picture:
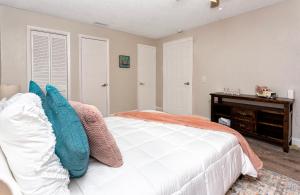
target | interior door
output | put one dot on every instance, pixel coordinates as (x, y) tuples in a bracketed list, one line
[(49, 60), (94, 73), (177, 76), (59, 63), (146, 77)]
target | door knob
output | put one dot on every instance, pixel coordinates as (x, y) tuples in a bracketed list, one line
[(141, 83), (187, 83), (104, 85)]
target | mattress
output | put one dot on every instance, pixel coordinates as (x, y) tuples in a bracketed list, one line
[(165, 159)]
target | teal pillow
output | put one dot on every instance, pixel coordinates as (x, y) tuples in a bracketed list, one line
[(35, 88), (71, 141)]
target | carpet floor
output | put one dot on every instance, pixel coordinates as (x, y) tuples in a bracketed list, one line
[(267, 183)]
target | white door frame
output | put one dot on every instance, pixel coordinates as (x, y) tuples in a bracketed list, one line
[(81, 36), (165, 68), (138, 99), (28, 52)]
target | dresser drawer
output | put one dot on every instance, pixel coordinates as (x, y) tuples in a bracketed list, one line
[(262, 118), (243, 125), (245, 114)]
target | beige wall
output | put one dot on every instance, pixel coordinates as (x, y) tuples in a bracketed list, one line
[(260, 47), (13, 25)]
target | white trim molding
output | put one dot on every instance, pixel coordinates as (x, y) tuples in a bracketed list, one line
[(296, 141), (158, 108)]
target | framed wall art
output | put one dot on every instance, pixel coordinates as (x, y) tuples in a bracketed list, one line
[(124, 61)]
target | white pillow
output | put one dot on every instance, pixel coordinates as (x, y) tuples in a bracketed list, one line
[(28, 142), (2, 104), (6, 176)]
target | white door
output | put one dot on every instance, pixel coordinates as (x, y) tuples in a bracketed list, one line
[(146, 77), (59, 63), (177, 76), (49, 59), (94, 73)]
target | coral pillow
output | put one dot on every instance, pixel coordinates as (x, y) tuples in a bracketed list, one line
[(72, 144), (102, 144)]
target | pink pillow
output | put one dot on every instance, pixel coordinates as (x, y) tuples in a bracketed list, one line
[(103, 146)]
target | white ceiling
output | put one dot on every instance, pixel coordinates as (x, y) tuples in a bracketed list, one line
[(149, 18)]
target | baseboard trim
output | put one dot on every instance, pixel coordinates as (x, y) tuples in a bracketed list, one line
[(296, 141), (159, 108)]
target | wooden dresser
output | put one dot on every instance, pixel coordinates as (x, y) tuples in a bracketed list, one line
[(261, 118)]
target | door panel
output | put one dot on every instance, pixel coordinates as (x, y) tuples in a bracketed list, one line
[(178, 68), (94, 68), (40, 58), (49, 60), (59, 62), (146, 77)]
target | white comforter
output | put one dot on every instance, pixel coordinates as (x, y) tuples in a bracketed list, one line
[(166, 159)]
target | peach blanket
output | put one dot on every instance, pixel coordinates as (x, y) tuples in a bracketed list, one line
[(197, 122)]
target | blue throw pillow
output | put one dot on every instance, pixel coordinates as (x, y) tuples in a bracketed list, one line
[(35, 88), (71, 141)]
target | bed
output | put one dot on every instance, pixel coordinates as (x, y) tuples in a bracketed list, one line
[(166, 159)]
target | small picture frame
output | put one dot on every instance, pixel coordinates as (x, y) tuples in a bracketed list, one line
[(124, 61)]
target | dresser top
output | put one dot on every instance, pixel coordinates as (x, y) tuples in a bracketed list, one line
[(278, 100)]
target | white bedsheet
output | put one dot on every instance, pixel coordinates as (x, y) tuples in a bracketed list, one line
[(163, 159)]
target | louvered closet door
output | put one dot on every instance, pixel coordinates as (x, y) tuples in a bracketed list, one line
[(59, 63), (49, 60), (40, 58)]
